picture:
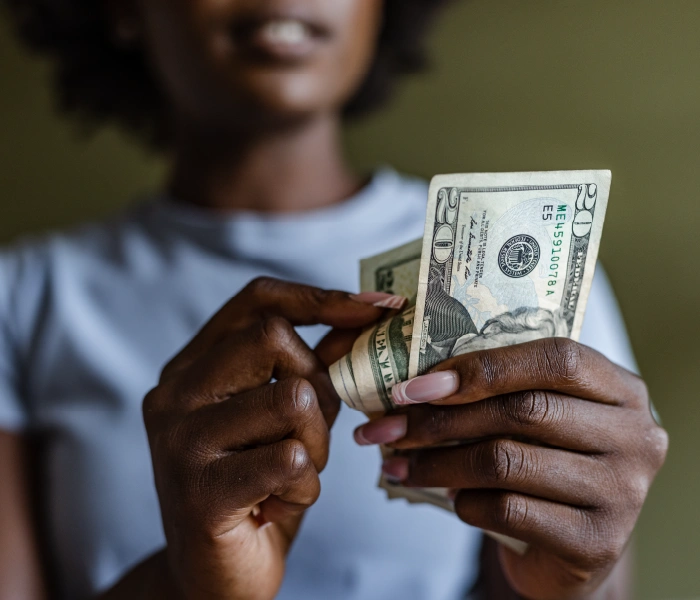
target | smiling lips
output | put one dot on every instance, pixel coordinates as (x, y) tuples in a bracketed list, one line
[(283, 39), (287, 32)]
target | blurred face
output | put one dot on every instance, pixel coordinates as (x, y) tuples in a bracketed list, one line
[(227, 63)]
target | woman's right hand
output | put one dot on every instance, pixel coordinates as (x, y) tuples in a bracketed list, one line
[(236, 457)]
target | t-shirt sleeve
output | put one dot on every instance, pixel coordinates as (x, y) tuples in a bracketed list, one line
[(13, 411), (603, 326)]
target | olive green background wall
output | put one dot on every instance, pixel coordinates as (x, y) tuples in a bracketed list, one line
[(517, 85)]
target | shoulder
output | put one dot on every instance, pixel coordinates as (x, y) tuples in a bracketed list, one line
[(33, 267), (100, 240)]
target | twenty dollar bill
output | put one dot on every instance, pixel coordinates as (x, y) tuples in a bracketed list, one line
[(506, 258)]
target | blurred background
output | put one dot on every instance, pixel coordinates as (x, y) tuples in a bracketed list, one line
[(537, 85)]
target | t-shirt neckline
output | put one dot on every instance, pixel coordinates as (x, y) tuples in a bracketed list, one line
[(189, 215)]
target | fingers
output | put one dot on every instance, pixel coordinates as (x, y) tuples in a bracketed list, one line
[(266, 297), (215, 464), (567, 477), (230, 448), (234, 484), (571, 533), (250, 358), (547, 417), (269, 414), (555, 364), (303, 304)]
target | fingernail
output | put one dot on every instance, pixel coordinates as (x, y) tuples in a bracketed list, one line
[(264, 526), (380, 299), (452, 494), (395, 469), (382, 431), (426, 388)]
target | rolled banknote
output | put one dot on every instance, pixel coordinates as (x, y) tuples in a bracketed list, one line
[(380, 356), (506, 258)]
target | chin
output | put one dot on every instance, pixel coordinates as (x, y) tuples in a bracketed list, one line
[(288, 95)]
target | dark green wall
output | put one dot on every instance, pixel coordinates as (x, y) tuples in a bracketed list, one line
[(517, 85)]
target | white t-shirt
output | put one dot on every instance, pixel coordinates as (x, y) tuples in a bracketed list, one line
[(88, 319)]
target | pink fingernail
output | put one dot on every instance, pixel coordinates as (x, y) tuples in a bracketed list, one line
[(380, 300), (395, 469), (426, 388), (382, 431)]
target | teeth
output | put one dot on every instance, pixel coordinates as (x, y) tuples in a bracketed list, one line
[(285, 32)]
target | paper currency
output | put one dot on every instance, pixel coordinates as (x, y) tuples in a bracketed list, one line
[(397, 272), (380, 356), (506, 258)]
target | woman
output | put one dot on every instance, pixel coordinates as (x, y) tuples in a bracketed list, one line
[(247, 97)]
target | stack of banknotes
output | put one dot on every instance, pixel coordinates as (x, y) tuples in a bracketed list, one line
[(505, 258)]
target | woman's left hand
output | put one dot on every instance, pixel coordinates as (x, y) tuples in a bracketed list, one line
[(562, 451)]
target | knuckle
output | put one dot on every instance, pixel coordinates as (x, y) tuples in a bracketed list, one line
[(529, 408), (261, 286), (296, 397), (502, 460), (318, 296), (184, 473), (642, 390), (658, 442), (201, 496), (611, 553), (598, 543), (312, 492), (564, 358), (162, 425), (316, 300), (170, 369), (193, 439), (607, 549), (636, 394), (488, 370), (602, 541), (187, 484), (511, 511), (150, 406), (627, 490), (637, 491), (185, 445), (293, 460), (276, 331)]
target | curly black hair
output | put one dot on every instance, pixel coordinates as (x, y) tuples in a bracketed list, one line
[(97, 80)]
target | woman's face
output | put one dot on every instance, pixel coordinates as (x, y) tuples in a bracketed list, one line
[(223, 62)]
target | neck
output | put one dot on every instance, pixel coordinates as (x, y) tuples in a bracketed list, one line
[(295, 168)]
